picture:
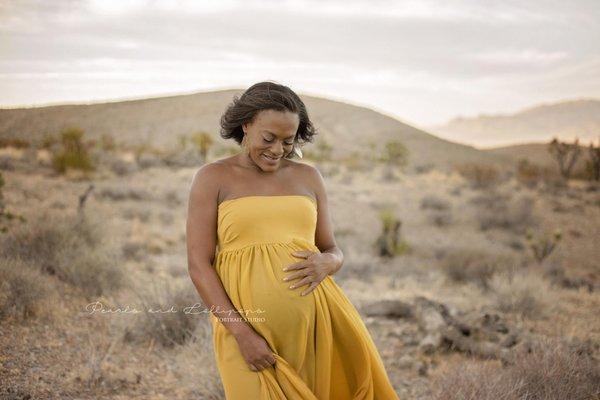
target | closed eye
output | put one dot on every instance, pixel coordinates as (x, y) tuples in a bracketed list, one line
[(271, 141)]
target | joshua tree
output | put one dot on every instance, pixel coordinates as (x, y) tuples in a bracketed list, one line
[(395, 154), (593, 163), (74, 153), (389, 243), (5, 215), (544, 245), (565, 154), (203, 142)]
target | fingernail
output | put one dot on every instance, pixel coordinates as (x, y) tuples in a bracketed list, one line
[(291, 287)]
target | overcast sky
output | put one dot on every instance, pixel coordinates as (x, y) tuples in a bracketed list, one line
[(421, 61)]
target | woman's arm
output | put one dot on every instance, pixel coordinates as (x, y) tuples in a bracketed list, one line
[(324, 236), (201, 237)]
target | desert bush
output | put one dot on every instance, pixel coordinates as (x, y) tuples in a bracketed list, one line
[(565, 154), (143, 214), (480, 176), (435, 203), (227, 150), (543, 245), (73, 152), (197, 364), (14, 142), (165, 318), (6, 217), (203, 142), (548, 370), (355, 162), (522, 293), (465, 264), (531, 175), (48, 141), (25, 293), (395, 155), (390, 243), (441, 218), (121, 193), (592, 164), (320, 152), (74, 248), (499, 213), (107, 142), (424, 168), (183, 158)]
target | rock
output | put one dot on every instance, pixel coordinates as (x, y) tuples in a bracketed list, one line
[(431, 343), (389, 309)]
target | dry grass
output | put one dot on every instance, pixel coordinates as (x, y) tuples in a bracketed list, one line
[(435, 203), (164, 319), (74, 248), (441, 218), (499, 212), (479, 176), (466, 264), (523, 293), (25, 293), (550, 371), (198, 367)]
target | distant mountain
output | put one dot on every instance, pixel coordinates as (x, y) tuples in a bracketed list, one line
[(159, 121), (536, 153), (565, 120)]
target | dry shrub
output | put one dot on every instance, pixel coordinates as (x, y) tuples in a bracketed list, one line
[(441, 218), (551, 370), (74, 153), (25, 293), (74, 248), (498, 211), (435, 203), (523, 293), (480, 176), (165, 318), (531, 175), (198, 366), (466, 264)]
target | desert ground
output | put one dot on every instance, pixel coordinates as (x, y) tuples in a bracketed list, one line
[(473, 286)]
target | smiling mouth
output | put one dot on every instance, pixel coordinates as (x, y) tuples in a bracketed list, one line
[(271, 158)]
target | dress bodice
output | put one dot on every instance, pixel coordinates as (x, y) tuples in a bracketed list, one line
[(254, 220)]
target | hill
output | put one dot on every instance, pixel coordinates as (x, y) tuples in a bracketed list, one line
[(565, 120), (159, 121)]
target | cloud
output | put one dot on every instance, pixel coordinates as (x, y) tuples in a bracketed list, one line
[(423, 60)]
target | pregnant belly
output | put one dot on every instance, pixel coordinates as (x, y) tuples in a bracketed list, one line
[(253, 279)]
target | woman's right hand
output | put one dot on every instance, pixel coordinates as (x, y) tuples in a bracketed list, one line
[(256, 350)]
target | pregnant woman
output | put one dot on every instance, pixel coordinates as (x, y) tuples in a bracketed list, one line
[(282, 327)]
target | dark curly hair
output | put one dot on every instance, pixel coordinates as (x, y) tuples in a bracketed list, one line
[(266, 95)]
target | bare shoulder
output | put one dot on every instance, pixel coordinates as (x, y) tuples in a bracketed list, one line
[(310, 176), (206, 179)]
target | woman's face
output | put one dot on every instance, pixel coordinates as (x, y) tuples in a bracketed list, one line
[(270, 137)]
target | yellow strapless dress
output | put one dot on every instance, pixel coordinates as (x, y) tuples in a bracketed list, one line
[(322, 348)]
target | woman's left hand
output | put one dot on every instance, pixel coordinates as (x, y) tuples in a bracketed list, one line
[(312, 270)]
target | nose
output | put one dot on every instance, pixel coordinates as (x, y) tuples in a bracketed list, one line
[(277, 149)]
